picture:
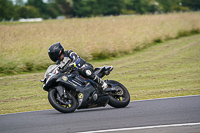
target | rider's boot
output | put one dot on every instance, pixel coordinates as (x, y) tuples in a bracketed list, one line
[(103, 85)]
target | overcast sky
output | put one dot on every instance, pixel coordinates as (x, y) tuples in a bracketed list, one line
[(43, 0), (27, 0)]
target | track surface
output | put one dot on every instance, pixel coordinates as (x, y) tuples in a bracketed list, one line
[(145, 113)]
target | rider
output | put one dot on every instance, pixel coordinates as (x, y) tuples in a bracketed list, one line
[(57, 54)]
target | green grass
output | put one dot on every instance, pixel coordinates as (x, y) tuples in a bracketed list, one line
[(168, 69)]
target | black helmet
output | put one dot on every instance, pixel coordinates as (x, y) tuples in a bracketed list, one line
[(55, 51)]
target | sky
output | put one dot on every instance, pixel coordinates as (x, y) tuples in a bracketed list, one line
[(27, 0), (43, 0)]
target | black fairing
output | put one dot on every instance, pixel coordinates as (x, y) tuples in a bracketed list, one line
[(83, 88), (51, 82)]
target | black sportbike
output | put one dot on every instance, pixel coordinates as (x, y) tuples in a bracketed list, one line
[(70, 91)]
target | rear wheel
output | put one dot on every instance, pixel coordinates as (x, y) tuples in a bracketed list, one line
[(120, 98), (64, 105)]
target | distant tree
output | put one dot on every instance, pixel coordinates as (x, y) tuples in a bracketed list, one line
[(89, 8), (39, 5), (140, 6), (111, 7), (36, 3), (65, 6), (154, 6), (94, 7), (6, 9), (143, 6), (171, 5), (192, 4), (85, 8), (28, 12), (54, 10)]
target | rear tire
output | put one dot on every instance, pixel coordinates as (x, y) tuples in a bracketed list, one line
[(120, 100), (69, 107)]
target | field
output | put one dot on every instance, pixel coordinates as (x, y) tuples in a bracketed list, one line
[(167, 69), (150, 55), (23, 46)]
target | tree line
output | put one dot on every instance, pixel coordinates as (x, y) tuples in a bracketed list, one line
[(16, 9)]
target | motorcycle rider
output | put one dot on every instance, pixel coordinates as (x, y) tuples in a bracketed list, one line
[(57, 54)]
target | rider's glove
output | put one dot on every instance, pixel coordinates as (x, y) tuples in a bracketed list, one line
[(72, 64)]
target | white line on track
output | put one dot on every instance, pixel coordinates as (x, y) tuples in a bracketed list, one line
[(139, 128)]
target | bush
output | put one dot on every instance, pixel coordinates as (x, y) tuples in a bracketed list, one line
[(28, 67), (187, 33)]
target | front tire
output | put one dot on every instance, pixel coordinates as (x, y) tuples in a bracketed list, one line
[(64, 105), (120, 99)]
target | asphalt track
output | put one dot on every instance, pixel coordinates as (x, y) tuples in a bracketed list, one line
[(177, 115)]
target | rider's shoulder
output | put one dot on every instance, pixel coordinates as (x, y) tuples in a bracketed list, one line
[(68, 52)]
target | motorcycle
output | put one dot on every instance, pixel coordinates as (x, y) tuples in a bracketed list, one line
[(69, 91)]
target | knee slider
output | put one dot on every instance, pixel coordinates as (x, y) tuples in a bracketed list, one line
[(88, 73)]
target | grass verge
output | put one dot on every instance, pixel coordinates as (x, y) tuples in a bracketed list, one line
[(24, 45), (169, 69)]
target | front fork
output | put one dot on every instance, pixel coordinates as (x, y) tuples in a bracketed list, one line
[(62, 92), (65, 95)]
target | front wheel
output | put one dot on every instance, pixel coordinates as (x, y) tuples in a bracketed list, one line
[(120, 98), (64, 105)]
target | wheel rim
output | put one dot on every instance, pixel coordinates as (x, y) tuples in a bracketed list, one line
[(64, 102), (120, 95)]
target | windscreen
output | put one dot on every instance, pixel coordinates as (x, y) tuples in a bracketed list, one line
[(50, 69)]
